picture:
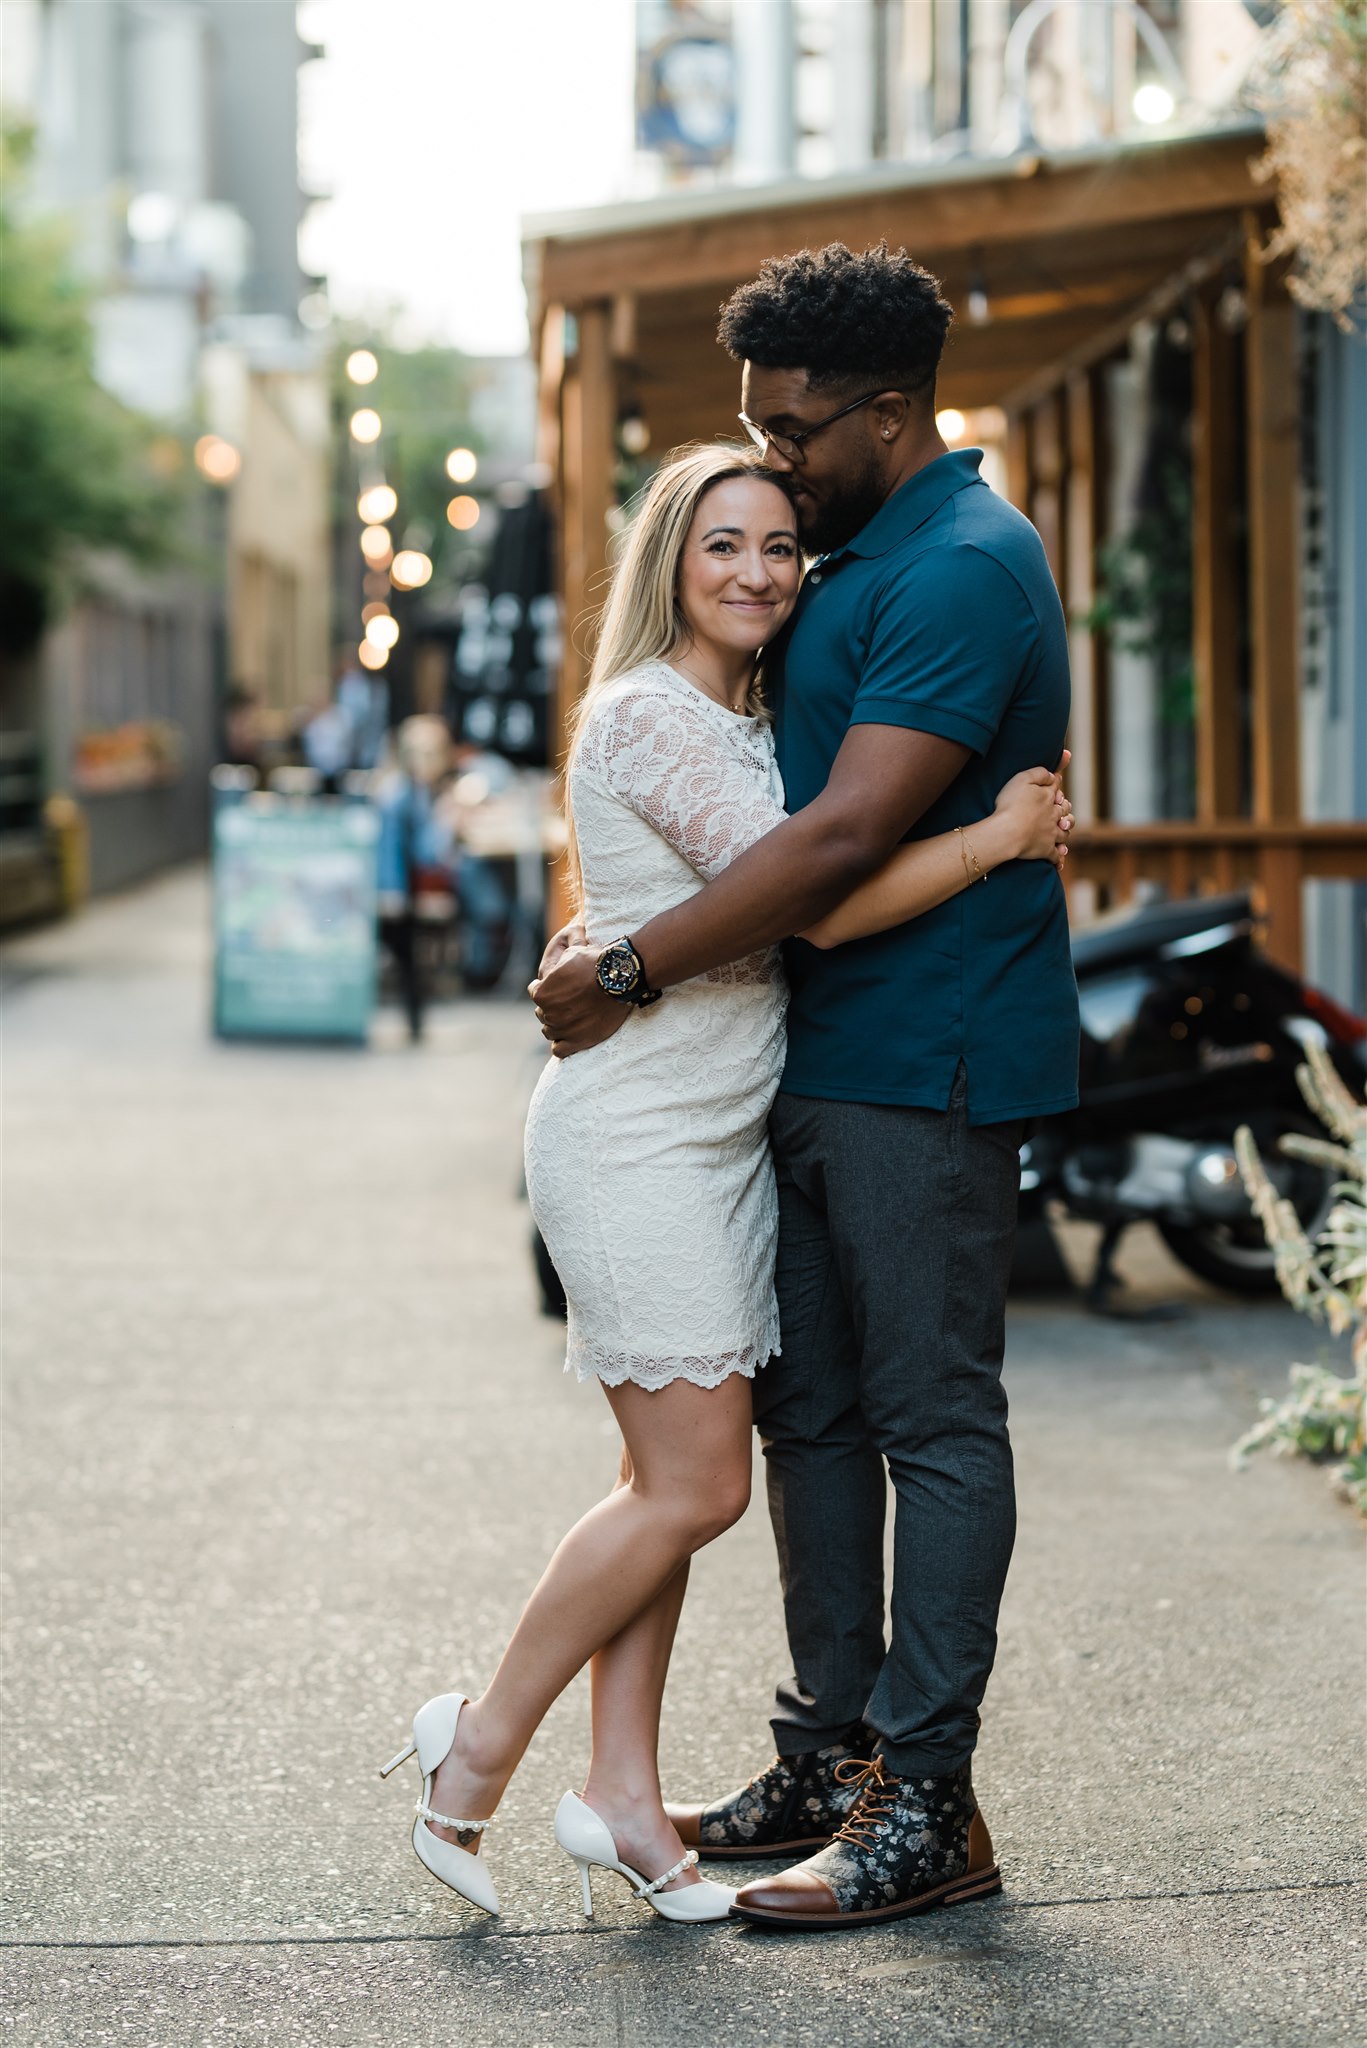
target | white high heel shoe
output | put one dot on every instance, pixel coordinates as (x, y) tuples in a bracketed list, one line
[(434, 1731), (582, 1835)]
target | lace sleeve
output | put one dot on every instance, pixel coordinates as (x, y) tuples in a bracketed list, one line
[(705, 791)]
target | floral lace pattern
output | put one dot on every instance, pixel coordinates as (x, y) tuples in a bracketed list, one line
[(647, 1157), (904, 1836), (795, 1799)]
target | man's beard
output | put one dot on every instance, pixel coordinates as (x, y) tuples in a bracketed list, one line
[(842, 512)]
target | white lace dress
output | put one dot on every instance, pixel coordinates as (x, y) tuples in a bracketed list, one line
[(647, 1157)]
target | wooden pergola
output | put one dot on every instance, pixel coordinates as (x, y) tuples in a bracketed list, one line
[(1070, 254)]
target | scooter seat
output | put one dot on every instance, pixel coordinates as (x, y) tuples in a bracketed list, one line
[(1123, 936)]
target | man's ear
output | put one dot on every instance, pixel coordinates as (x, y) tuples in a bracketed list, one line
[(889, 415)]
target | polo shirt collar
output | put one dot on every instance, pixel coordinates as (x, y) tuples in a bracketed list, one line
[(918, 499)]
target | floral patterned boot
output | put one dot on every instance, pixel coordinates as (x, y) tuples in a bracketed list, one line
[(908, 1845), (795, 1805)]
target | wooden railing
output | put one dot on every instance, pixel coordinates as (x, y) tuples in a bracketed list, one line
[(1189, 859)]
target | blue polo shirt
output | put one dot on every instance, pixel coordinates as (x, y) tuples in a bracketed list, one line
[(941, 615)]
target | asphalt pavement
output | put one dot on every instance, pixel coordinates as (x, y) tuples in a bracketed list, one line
[(286, 1443)]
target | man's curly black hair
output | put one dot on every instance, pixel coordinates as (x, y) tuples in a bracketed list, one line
[(844, 319)]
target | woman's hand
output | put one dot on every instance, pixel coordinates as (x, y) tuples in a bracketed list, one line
[(1037, 816)]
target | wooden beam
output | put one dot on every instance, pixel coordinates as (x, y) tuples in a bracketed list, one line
[(717, 243), (1273, 430), (1215, 563)]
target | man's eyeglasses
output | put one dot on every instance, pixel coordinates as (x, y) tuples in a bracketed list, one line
[(789, 446)]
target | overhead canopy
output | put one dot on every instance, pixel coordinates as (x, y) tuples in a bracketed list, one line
[(1067, 250)]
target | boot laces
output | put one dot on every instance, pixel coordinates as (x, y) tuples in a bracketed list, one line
[(874, 1802)]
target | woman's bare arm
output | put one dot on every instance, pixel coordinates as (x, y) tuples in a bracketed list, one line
[(1029, 823)]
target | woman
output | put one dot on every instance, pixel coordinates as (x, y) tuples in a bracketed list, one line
[(649, 1172)]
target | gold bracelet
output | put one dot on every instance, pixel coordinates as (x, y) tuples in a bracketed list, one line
[(979, 874)]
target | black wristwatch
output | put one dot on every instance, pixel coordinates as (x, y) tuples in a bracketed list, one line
[(622, 975)]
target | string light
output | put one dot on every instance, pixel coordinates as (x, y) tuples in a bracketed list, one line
[(216, 459), (382, 631), (366, 425), (371, 656), (463, 513), (362, 367), (462, 465), (410, 569), (377, 504), (376, 545)]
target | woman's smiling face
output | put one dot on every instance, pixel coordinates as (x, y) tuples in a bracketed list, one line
[(740, 567)]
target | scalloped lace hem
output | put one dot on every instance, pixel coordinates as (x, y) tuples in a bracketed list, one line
[(589, 1361)]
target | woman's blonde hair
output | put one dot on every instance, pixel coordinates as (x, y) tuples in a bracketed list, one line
[(642, 619)]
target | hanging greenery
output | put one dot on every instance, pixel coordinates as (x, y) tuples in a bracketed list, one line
[(1310, 86)]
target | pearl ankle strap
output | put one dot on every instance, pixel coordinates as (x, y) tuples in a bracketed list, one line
[(684, 1863), (444, 1820)]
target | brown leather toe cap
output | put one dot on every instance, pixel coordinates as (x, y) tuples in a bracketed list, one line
[(793, 1891), (687, 1821)]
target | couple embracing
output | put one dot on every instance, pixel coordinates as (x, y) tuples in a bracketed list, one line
[(822, 980)]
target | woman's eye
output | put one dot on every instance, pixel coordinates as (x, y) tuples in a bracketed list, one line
[(721, 547)]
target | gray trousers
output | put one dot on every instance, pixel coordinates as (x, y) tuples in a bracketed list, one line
[(895, 1238)]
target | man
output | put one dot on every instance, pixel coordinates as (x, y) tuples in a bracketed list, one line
[(925, 664)]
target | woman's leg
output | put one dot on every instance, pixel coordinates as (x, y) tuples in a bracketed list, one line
[(689, 1451), (623, 1784)]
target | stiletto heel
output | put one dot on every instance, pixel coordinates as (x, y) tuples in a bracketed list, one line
[(434, 1733), (585, 1837)]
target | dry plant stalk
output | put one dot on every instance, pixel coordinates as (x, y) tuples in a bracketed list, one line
[(1310, 85), (1325, 1278)]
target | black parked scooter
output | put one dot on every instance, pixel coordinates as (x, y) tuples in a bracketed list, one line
[(1188, 1031)]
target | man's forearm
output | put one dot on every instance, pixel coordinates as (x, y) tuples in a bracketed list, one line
[(784, 882)]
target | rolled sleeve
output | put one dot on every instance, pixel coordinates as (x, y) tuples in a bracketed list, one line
[(952, 635)]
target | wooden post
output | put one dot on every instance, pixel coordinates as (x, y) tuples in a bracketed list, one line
[(1089, 733), (1048, 445), (586, 422), (1215, 583), (1018, 461), (1273, 469), (1279, 876)]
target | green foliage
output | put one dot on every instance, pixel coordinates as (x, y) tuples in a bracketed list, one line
[(75, 467), (1144, 601), (1323, 1417)]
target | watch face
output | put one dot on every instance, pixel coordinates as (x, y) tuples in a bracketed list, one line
[(618, 970)]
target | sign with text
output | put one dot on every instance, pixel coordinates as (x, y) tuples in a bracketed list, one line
[(294, 919)]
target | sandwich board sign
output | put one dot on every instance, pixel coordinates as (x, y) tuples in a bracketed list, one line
[(294, 918)]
